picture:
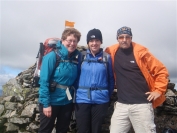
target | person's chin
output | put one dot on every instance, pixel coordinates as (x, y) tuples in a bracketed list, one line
[(124, 47), (95, 49), (70, 51)]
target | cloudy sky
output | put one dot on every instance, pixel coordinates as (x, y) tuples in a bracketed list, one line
[(24, 24)]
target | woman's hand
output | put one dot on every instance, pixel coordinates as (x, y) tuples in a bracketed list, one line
[(47, 111)]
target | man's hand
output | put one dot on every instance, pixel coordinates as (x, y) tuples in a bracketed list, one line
[(47, 111), (152, 95)]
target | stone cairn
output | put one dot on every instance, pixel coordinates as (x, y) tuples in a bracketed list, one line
[(19, 111)]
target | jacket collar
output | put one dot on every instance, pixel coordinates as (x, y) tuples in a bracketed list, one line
[(137, 49), (98, 54)]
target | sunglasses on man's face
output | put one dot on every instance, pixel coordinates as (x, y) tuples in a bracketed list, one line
[(126, 37)]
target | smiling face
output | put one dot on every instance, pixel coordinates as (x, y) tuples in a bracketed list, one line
[(125, 41), (94, 46), (70, 43)]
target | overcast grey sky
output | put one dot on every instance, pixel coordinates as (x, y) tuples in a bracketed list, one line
[(26, 23)]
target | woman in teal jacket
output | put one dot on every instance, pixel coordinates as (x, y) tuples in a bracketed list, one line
[(96, 84), (58, 103)]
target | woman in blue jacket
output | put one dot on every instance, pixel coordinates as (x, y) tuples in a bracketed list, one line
[(96, 84), (57, 104)]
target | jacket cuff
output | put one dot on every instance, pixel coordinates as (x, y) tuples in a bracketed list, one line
[(45, 105)]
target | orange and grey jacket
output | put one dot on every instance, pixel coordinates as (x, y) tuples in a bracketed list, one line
[(154, 71)]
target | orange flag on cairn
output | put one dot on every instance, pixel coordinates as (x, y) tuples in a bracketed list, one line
[(69, 24)]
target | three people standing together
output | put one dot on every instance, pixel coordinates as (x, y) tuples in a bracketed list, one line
[(141, 82)]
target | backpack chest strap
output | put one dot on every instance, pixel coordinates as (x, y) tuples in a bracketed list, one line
[(96, 61), (91, 89)]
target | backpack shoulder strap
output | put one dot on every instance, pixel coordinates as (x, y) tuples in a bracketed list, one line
[(105, 57), (83, 56), (58, 58), (105, 61), (57, 62)]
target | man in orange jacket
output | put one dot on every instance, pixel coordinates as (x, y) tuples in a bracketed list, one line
[(141, 82)]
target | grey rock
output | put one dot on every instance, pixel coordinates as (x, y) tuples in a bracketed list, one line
[(36, 99), (171, 86), (32, 96), (23, 131), (12, 88), (29, 110), (82, 48), (169, 93), (19, 98), (37, 118), (19, 105), (7, 114), (10, 105), (17, 120), (9, 99), (1, 109), (26, 76), (33, 127), (29, 102), (28, 81), (11, 127), (2, 101), (37, 108), (171, 100), (14, 114), (26, 85), (2, 122)]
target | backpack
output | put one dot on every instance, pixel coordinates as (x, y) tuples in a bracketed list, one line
[(48, 46)]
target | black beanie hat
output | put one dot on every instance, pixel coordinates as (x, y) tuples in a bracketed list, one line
[(94, 34)]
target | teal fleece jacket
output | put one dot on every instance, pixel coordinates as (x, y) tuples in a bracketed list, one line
[(65, 73)]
